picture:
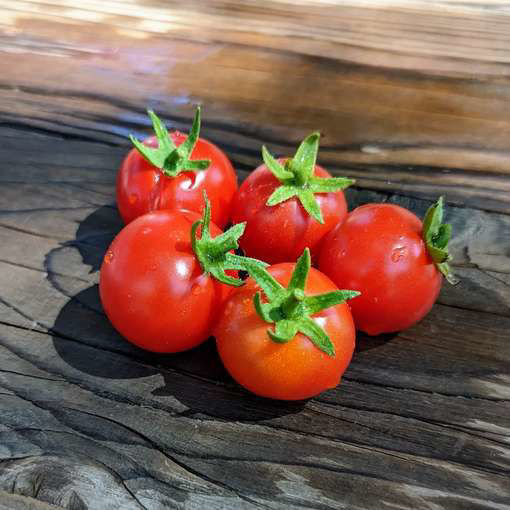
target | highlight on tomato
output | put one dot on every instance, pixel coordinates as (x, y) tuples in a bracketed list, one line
[(289, 204), (397, 263), (165, 277), (170, 171), (287, 333)]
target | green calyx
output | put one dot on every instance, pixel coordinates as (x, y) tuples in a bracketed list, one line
[(172, 160), (290, 309), (437, 235), (214, 253), (298, 179)]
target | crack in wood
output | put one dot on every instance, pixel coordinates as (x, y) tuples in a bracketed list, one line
[(296, 432), (39, 270), (4, 370)]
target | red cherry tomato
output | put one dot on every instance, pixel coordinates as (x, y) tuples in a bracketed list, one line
[(294, 370), (379, 250), (153, 288), (279, 233), (142, 187)]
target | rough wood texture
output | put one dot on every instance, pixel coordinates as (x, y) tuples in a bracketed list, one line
[(413, 101)]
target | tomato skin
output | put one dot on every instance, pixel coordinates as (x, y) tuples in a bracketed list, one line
[(142, 188), (380, 252), (287, 371), (280, 233), (153, 288)]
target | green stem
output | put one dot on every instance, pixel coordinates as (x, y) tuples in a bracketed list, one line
[(437, 235), (290, 309), (223, 246), (214, 254), (298, 180), (299, 172), (172, 160), (291, 304)]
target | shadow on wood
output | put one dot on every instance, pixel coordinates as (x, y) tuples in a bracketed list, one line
[(196, 379), (366, 342)]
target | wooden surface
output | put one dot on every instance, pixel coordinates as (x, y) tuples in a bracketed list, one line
[(413, 100)]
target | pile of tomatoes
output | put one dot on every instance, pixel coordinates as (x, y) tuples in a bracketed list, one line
[(171, 279)]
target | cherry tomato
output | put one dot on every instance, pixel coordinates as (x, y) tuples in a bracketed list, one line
[(280, 233), (293, 370), (289, 204), (143, 187), (154, 289), (380, 251)]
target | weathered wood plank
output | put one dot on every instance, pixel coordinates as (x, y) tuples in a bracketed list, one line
[(455, 352), (476, 442), (410, 97), (104, 426), (435, 32), (354, 405)]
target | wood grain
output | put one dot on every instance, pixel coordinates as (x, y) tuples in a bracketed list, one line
[(436, 402), (412, 99), (16, 502)]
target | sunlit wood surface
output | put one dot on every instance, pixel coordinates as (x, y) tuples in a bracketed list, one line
[(412, 99)]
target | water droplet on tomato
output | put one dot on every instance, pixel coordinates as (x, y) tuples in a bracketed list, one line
[(108, 257), (132, 198), (398, 253), (147, 230), (196, 289)]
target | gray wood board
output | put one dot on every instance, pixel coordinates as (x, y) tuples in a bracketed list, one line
[(421, 419)]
